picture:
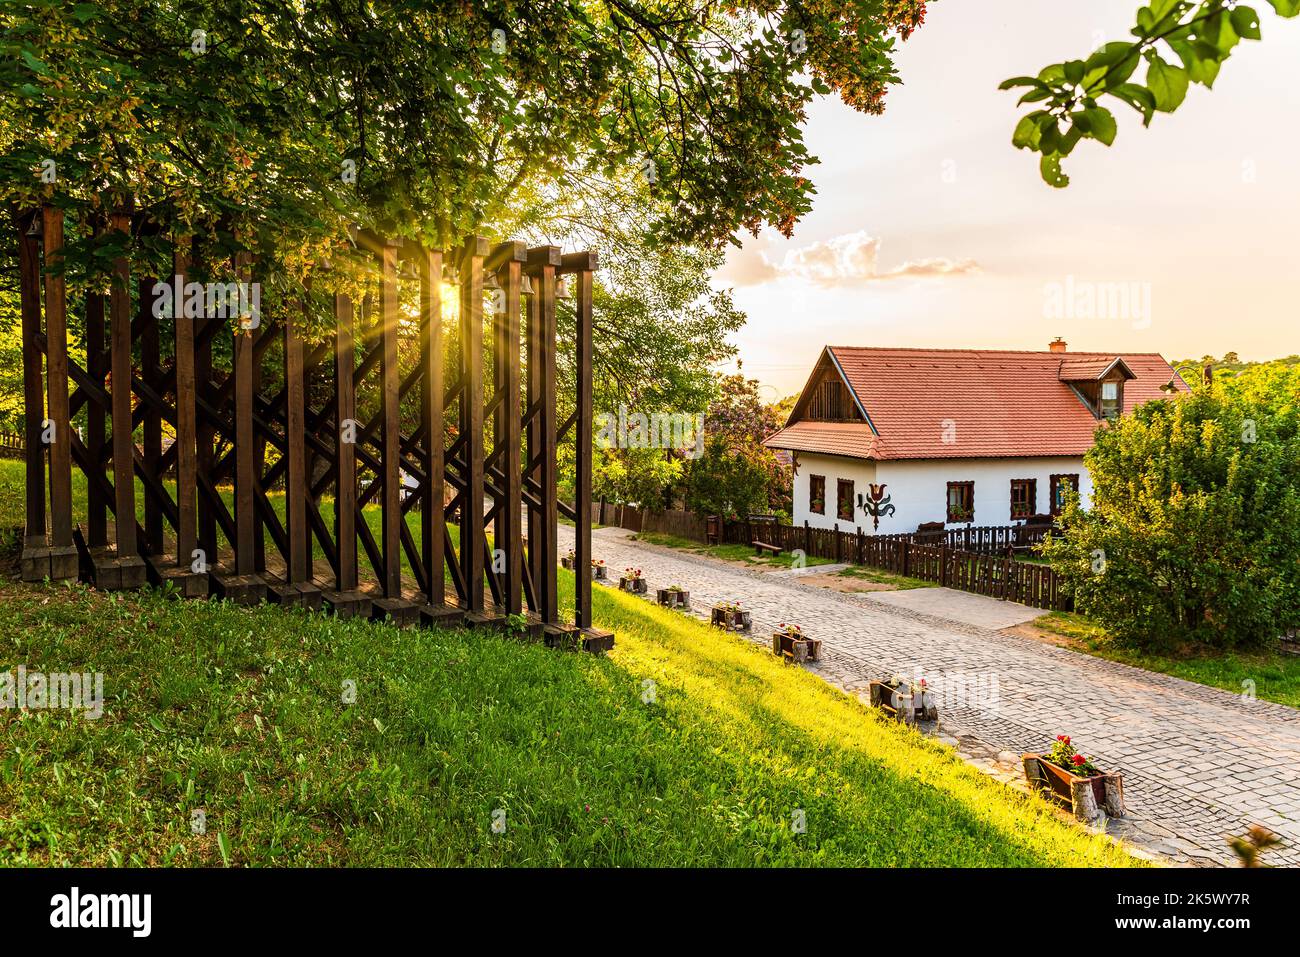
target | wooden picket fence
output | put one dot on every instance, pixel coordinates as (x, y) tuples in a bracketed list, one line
[(977, 559), (12, 445)]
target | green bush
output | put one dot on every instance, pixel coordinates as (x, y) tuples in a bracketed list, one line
[(1193, 534)]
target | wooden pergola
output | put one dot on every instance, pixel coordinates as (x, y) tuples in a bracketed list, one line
[(496, 470)]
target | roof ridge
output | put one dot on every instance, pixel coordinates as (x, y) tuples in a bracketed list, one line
[(1031, 352)]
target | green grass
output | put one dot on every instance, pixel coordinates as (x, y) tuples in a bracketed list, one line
[(731, 553), (1272, 676), (238, 712), (899, 582)]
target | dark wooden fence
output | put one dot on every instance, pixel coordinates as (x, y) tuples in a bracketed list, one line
[(497, 466), (977, 559), (12, 445)]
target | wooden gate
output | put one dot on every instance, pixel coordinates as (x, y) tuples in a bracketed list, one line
[(478, 467)]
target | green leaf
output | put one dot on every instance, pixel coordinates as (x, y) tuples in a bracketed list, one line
[(36, 66), (1026, 133), (1069, 140), (1101, 124), (1021, 81), (1049, 167), (1050, 135), (1168, 83), (1115, 61), (1033, 96), (1246, 22), (1074, 70), (1218, 32), (1286, 8), (223, 845), (1138, 97)]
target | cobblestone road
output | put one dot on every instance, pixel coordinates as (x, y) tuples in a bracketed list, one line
[(1199, 764)]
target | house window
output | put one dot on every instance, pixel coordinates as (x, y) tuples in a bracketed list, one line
[(1112, 399), (844, 500), (961, 501), (1024, 497), (817, 494), (1060, 485)]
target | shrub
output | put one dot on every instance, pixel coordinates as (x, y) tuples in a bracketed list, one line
[(1193, 534)]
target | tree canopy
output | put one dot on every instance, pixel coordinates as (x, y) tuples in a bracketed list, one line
[(287, 121)]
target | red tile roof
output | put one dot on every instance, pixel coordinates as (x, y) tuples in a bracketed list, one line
[(1076, 369), (967, 403)]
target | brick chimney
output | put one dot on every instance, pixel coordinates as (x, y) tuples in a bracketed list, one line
[(1057, 345)]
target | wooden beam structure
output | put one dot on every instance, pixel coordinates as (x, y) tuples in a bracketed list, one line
[(416, 455)]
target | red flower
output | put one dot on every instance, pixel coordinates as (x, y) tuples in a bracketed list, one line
[(1064, 738), (1078, 759)]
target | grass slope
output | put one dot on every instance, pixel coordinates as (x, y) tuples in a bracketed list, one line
[(239, 712)]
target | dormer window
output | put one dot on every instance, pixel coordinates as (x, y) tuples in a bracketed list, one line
[(1111, 403)]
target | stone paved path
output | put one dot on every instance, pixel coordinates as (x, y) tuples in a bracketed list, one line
[(960, 606), (1199, 764)]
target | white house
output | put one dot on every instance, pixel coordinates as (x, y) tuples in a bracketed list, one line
[(959, 436)]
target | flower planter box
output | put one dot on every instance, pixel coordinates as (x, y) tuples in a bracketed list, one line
[(796, 648), (674, 598), (1086, 797), (732, 619), (899, 701), (637, 586), (599, 573), (568, 561)]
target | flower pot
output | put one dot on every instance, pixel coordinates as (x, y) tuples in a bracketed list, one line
[(568, 562), (899, 701), (598, 572), (673, 598), (1085, 796), (796, 648), (637, 586)]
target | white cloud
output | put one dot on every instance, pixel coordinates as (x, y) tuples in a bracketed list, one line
[(851, 259)]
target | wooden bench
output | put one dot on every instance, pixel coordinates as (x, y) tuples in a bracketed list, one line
[(761, 548)]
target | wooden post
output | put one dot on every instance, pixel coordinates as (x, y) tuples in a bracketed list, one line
[(63, 561), (583, 264), (543, 539), (432, 493), (96, 422), (390, 376), (205, 433), (508, 535), (151, 373), (29, 265), (186, 423), (471, 419), (123, 445), (345, 493), (245, 515), (297, 482)]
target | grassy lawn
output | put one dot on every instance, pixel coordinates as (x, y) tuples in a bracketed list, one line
[(731, 553), (238, 712), (877, 577), (1276, 677)]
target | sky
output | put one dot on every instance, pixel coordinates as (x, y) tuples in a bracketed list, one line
[(929, 229)]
